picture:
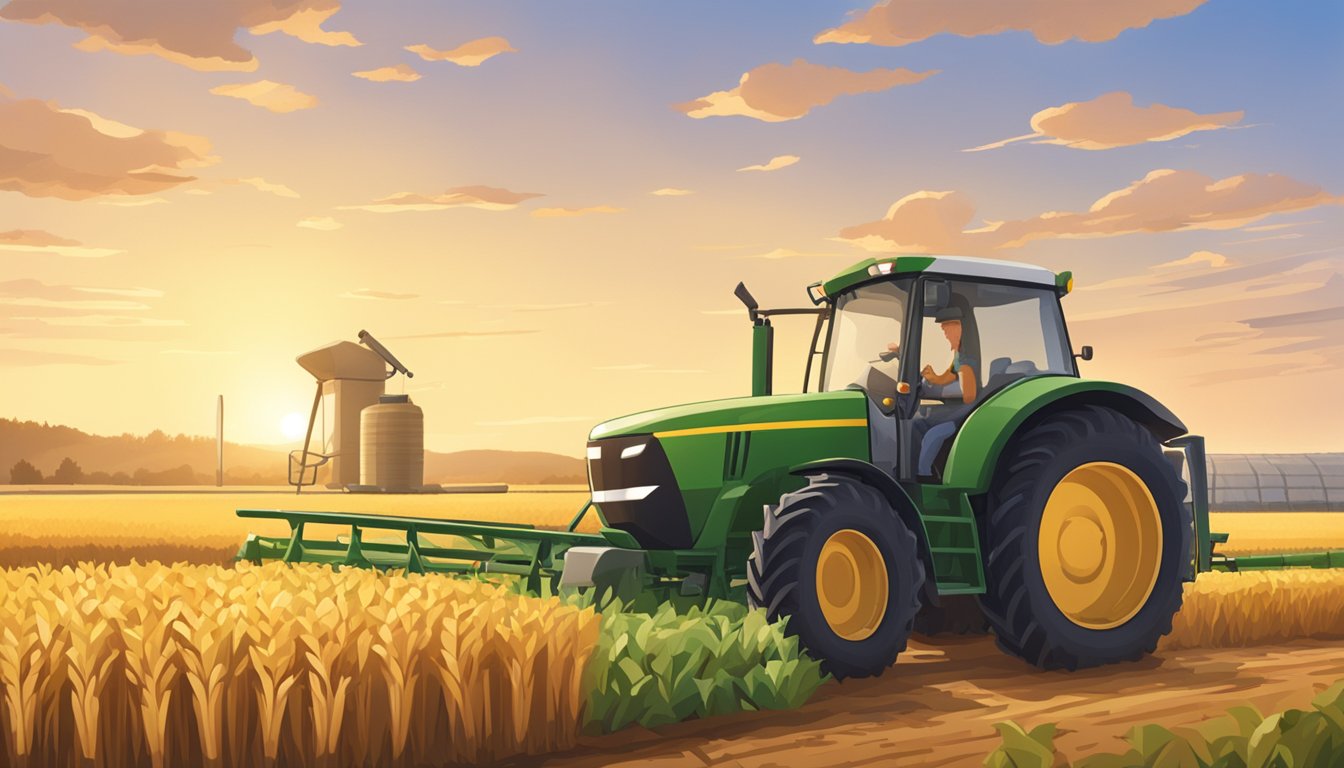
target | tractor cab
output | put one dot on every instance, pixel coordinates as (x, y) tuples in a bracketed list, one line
[(930, 339)]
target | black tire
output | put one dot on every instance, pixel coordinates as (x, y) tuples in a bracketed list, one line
[(1025, 619), (782, 571)]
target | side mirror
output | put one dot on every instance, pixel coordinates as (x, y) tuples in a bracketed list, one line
[(937, 294), (1085, 354)]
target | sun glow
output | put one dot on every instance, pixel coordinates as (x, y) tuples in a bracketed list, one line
[(294, 426)]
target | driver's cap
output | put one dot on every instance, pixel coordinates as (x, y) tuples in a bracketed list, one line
[(947, 314)]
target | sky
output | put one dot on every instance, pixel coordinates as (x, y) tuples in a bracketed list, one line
[(543, 208)]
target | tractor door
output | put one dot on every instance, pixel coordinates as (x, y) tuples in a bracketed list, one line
[(1004, 332)]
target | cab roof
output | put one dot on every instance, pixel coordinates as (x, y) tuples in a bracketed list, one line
[(955, 266)]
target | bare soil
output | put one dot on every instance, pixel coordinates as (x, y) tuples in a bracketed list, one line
[(938, 707)]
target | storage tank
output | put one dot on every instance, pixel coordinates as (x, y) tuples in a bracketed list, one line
[(392, 444)]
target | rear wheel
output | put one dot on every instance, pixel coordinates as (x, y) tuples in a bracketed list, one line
[(837, 560), (1088, 542)]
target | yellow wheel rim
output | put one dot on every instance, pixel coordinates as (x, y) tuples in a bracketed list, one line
[(1100, 545), (852, 584)]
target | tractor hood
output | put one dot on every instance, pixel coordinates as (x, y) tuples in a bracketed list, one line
[(771, 412)]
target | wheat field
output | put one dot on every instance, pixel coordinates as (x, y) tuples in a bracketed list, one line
[(1253, 533), (1259, 608), (152, 665), (61, 529)]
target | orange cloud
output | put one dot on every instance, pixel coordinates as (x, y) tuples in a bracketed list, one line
[(774, 164), (1111, 121), (1163, 201), (559, 213), (369, 293), (41, 242), (1215, 260), (46, 151), (401, 73), (320, 223), (902, 22), (485, 198), (671, 192), (268, 94), (469, 54), (779, 92), (195, 36)]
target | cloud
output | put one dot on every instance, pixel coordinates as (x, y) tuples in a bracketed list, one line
[(671, 192), (46, 151), (533, 420), (1267, 318), (200, 352), (32, 309), (268, 94), (1215, 260), (461, 334), (1163, 201), (561, 213), (18, 358), (262, 185), (140, 202), (30, 290), (1266, 239), (197, 36), (785, 253), (485, 198), (778, 92), (902, 22), (727, 247), (321, 223), (544, 307), (469, 54), (369, 293), (401, 73), (1111, 120), (108, 321), (41, 242), (775, 163), (624, 367)]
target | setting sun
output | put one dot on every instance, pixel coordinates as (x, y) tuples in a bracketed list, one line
[(294, 426)]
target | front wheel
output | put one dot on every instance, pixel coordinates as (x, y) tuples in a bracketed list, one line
[(1088, 542), (837, 560)]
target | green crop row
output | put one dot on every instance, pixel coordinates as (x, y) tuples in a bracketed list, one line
[(1243, 738), (668, 664)]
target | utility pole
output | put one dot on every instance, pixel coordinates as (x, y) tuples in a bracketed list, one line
[(219, 443)]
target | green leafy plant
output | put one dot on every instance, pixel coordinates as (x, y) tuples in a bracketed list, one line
[(1243, 738), (672, 664)]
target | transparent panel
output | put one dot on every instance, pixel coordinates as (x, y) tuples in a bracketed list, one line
[(867, 325)]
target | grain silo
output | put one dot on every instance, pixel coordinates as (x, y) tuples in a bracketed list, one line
[(392, 445)]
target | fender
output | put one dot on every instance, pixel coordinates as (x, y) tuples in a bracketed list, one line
[(895, 495), (980, 442)]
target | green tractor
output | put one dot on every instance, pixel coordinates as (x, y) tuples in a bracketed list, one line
[(1071, 510)]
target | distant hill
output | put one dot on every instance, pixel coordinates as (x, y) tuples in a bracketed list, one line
[(46, 445)]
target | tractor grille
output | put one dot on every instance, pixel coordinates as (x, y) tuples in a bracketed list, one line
[(633, 486)]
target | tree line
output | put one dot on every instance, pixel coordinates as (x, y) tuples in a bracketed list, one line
[(70, 473)]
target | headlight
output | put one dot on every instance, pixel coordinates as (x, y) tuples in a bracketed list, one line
[(631, 451)]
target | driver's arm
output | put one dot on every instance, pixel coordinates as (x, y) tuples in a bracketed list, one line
[(967, 384), (946, 377)]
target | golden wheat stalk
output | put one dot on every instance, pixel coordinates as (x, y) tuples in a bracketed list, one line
[(175, 665), (91, 658), (205, 656)]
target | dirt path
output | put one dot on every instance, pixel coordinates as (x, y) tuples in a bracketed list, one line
[(939, 705)]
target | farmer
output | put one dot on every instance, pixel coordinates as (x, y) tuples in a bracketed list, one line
[(941, 421), (962, 368)]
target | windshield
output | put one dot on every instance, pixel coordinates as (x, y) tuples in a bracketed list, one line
[(866, 333)]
